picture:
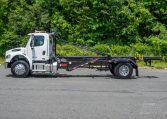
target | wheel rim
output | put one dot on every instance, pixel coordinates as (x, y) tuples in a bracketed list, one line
[(124, 70), (20, 69)]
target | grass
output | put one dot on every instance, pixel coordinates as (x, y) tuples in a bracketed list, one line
[(154, 64), (159, 65), (1, 60)]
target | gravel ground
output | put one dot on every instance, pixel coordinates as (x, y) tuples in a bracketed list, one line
[(44, 97)]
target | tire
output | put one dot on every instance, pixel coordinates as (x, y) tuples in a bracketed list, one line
[(20, 69), (123, 71)]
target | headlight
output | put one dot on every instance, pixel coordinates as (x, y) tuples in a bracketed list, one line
[(8, 56)]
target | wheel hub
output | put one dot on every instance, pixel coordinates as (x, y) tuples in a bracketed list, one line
[(124, 70), (19, 69)]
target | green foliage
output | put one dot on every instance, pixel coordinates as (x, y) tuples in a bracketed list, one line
[(141, 49), (1, 60), (102, 47), (70, 50), (8, 40), (117, 50), (117, 27), (159, 46)]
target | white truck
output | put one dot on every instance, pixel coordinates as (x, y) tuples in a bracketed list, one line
[(39, 56)]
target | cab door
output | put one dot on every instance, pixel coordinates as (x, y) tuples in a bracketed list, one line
[(39, 49)]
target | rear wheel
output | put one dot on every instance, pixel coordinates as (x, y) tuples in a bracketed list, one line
[(20, 68), (123, 71)]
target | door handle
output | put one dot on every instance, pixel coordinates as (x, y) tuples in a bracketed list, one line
[(43, 53)]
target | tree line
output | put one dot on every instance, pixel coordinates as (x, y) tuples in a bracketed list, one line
[(107, 25)]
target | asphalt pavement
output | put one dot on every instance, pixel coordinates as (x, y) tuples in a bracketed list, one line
[(97, 96)]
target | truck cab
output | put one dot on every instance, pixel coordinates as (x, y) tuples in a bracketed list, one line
[(37, 56)]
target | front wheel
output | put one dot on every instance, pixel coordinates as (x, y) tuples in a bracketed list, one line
[(123, 71), (20, 68)]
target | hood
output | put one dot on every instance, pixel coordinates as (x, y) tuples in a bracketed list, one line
[(20, 49)]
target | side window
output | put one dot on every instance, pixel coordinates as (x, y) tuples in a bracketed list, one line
[(38, 41)]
